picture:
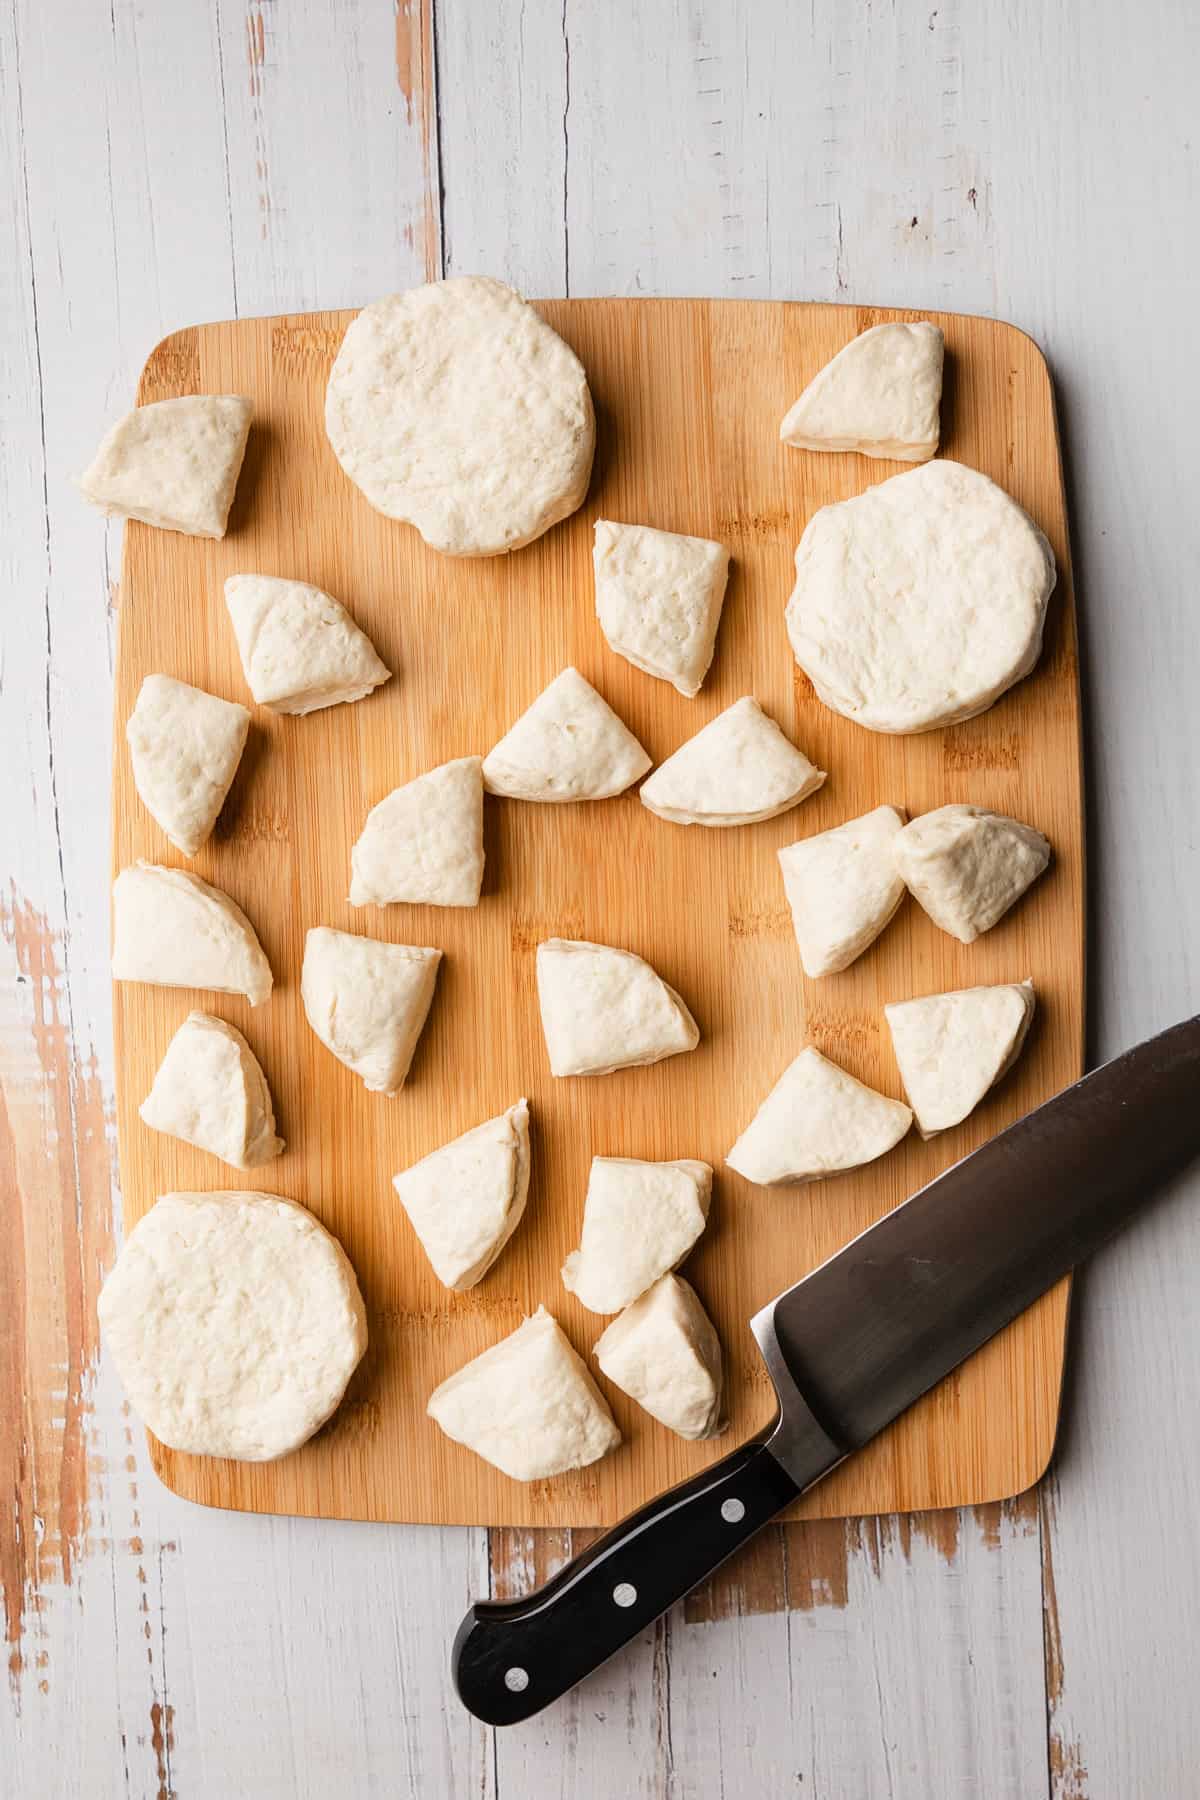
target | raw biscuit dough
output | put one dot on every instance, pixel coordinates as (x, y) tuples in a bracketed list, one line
[(424, 843), (738, 769), (527, 1405), (174, 930), (300, 648), (569, 745), (966, 866), (456, 408), (184, 746), (816, 1121), (465, 1200), (952, 1048), (658, 599), (880, 395), (368, 1001), (843, 887), (640, 1220), (174, 463), (920, 601), (235, 1322), (211, 1092), (605, 1009), (664, 1353)]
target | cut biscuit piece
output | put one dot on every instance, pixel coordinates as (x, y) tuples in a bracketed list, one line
[(300, 648), (605, 1009), (210, 1091), (664, 1353), (737, 770), (174, 930), (184, 747), (465, 1200), (881, 395), (235, 1321), (173, 464), (843, 888), (921, 601), (953, 1047), (966, 866), (817, 1121), (640, 1220), (527, 1405), (658, 599), (423, 844), (569, 745), (368, 1001)]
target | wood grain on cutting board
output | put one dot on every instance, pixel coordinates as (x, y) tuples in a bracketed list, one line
[(688, 398)]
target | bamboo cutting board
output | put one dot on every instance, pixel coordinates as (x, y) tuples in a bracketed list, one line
[(688, 397)]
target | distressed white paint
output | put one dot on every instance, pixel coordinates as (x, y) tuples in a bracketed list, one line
[(171, 163)]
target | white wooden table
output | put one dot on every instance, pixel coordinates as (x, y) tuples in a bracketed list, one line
[(171, 162)]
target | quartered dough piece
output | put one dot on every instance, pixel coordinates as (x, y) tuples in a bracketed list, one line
[(300, 648), (737, 769), (817, 1121), (465, 1200), (664, 1353), (658, 599), (842, 887), (210, 1091), (640, 1219), (368, 1001), (569, 745), (174, 930), (967, 866), (424, 842), (527, 1405), (919, 602), (605, 1009), (455, 407), (235, 1322), (952, 1048), (185, 746), (880, 395), (173, 464)]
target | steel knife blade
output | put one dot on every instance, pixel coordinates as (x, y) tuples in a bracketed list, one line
[(854, 1344)]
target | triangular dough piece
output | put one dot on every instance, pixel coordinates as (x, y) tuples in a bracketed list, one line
[(174, 930), (185, 746), (300, 648), (527, 1405), (569, 745), (952, 1048), (211, 1092), (606, 1009), (880, 395), (173, 464), (640, 1219), (664, 1353), (465, 1200), (368, 1001), (817, 1121), (967, 866), (842, 887), (658, 599), (737, 770), (424, 843)]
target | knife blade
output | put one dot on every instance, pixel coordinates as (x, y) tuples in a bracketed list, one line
[(853, 1345)]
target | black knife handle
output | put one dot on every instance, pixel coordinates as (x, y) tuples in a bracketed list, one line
[(511, 1658)]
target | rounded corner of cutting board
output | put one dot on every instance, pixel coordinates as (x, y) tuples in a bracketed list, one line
[(699, 453)]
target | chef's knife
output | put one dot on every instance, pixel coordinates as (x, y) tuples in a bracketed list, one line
[(852, 1346)]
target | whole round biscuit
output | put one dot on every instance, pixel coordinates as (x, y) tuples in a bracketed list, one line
[(456, 408), (918, 602), (235, 1322)]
